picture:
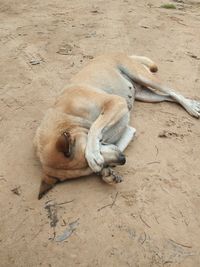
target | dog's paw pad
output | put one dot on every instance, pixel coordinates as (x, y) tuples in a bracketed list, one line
[(110, 176), (117, 178)]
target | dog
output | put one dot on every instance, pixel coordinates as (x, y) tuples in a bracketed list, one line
[(87, 129)]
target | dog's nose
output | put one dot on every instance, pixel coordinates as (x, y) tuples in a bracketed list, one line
[(122, 159)]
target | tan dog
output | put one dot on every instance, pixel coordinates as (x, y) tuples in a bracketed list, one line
[(88, 128)]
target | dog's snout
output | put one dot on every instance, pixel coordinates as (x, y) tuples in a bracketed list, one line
[(122, 159)]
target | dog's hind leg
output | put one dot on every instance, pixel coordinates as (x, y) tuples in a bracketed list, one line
[(141, 76), (147, 95)]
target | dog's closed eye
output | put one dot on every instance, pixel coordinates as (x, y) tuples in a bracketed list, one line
[(64, 145)]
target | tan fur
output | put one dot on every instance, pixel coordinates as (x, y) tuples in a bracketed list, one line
[(94, 110)]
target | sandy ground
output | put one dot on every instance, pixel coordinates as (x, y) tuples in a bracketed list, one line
[(152, 218)]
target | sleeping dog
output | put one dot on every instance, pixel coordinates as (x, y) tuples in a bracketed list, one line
[(87, 129)]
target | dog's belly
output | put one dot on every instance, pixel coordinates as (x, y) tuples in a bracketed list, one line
[(110, 81)]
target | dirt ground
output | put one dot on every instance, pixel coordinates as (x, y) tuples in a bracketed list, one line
[(152, 218)]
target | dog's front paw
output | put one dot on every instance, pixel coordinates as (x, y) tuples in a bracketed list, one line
[(110, 176), (95, 160)]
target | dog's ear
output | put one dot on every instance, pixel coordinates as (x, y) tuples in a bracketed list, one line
[(64, 145), (47, 183)]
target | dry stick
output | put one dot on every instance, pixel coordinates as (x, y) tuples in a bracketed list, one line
[(186, 223), (178, 20), (152, 162), (114, 200), (165, 190), (145, 237), (156, 219), (54, 232), (109, 205), (48, 201), (182, 245), (37, 233), (156, 151), (144, 221), (66, 202), (62, 203)]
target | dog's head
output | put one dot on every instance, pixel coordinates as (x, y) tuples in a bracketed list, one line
[(60, 143), (61, 149), (62, 157), (66, 151)]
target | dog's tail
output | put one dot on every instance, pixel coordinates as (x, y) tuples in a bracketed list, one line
[(147, 62)]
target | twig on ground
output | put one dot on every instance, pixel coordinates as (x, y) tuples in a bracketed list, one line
[(166, 191), (193, 56), (114, 200), (156, 219), (178, 20), (16, 191), (109, 205), (153, 162), (142, 238), (54, 233), (157, 151), (65, 202), (144, 221), (37, 233), (182, 245)]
